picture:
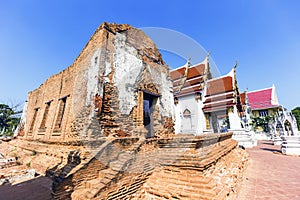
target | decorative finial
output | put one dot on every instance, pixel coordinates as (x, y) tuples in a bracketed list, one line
[(236, 63)]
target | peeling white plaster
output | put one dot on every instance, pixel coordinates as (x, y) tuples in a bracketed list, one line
[(107, 71), (167, 102), (93, 84), (166, 106), (127, 66)]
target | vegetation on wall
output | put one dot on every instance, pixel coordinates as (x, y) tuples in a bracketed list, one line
[(296, 113)]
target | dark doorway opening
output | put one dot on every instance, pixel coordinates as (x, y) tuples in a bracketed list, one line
[(148, 108), (215, 123)]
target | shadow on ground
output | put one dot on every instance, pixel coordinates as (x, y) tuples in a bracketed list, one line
[(38, 188), (272, 150), (268, 143)]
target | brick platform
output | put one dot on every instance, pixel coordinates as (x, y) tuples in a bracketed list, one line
[(270, 175), (175, 167)]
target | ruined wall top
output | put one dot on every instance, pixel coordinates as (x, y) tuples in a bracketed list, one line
[(145, 46), (98, 93)]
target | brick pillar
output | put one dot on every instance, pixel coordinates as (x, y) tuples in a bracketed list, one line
[(140, 107), (141, 131)]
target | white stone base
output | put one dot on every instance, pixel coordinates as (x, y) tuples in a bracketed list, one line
[(254, 141), (277, 142), (290, 145), (246, 143), (263, 136), (290, 150), (244, 138)]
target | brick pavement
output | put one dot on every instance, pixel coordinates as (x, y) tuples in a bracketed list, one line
[(270, 175)]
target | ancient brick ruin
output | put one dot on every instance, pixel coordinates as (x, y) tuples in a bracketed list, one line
[(102, 92), (103, 129)]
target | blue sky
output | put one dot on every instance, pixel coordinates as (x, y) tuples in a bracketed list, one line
[(41, 38)]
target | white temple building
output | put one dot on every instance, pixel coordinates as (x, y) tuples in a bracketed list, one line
[(188, 86), (204, 104)]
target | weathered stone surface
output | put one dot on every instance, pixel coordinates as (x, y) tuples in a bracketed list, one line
[(181, 168), (205, 167), (97, 95)]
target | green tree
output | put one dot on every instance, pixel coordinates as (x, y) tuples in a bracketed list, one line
[(296, 113), (9, 119), (262, 122)]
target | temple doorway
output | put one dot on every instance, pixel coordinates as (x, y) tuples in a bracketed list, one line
[(187, 122), (148, 108)]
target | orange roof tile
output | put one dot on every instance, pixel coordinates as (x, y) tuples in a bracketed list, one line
[(194, 78), (193, 71), (219, 86)]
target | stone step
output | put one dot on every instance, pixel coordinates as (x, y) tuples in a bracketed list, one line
[(175, 145), (169, 190), (94, 184), (178, 180), (117, 167), (108, 171), (148, 167), (124, 156), (110, 176), (90, 194), (125, 191)]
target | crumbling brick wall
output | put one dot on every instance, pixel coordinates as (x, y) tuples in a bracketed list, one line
[(100, 94)]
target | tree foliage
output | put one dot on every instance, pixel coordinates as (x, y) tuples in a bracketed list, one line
[(262, 122), (296, 113), (8, 119)]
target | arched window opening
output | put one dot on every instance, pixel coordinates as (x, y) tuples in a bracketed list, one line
[(186, 113)]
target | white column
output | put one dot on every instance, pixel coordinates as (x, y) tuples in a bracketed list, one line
[(202, 119), (234, 119), (177, 126)]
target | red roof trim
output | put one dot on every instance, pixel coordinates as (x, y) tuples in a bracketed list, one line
[(213, 109), (219, 98), (193, 71)]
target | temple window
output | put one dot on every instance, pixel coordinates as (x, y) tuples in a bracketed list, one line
[(263, 113), (61, 112), (176, 100), (33, 119), (43, 124), (186, 113), (198, 96)]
